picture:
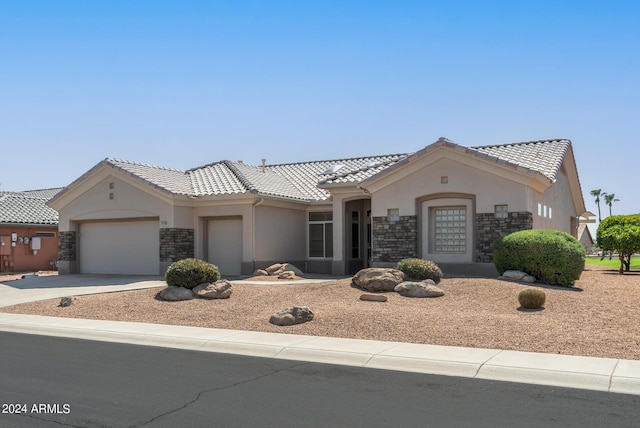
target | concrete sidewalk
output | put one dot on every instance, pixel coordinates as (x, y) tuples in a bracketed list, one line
[(603, 374)]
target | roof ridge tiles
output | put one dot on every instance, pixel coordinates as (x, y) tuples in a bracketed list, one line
[(337, 160), (520, 143), (114, 160)]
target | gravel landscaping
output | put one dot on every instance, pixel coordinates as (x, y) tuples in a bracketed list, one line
[(598, 317)]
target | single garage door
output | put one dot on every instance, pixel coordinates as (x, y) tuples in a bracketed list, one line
[(120, 247), (225, 245)]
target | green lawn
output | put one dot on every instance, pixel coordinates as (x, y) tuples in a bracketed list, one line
[(613, 263)]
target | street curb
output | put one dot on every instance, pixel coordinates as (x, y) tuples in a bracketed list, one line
[(600, 374)]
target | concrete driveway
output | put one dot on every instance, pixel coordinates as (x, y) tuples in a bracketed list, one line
[(32, 288)]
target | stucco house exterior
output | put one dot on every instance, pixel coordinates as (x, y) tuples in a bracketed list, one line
[(28, 231), (445, 202)]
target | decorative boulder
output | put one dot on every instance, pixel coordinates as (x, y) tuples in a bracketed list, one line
[(291, 268), (68, 301), (378, 279), (275, 269), (426, 288), (174, 294), (291, 316), (220, 289), (287, 274), (373, 297), (260, 272), (516, 275)]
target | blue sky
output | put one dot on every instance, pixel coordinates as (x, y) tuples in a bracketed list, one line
[(182, 84)]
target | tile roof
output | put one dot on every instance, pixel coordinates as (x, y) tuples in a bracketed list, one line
[(308, 181), (28, 207), (543, 156)]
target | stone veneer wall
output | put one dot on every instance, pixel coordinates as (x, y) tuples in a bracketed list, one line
[(67, 246), (394, 240), (489, 228), (176, 244)]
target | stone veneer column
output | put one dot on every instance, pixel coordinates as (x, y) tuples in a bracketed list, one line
[(67, 246), (394, 240), (176, 244), (489, 228)]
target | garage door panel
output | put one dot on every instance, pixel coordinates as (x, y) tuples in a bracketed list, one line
[(127, 247), (225, 245)]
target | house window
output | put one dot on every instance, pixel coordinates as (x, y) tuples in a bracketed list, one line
[(501, 211), (321, 234), (549, 212), (393, 214), (450, 230), (540, 210)]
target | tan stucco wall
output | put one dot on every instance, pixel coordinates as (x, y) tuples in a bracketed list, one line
[(93, 203), (558, 198), (490, 189), (280, 234), (202, 214)]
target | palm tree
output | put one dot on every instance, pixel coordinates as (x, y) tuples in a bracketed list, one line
[(609, 199), (597, 193)]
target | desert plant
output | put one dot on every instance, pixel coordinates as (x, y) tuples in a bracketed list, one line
[(532, 298), (189, 273), (551, 256), (420, 269)]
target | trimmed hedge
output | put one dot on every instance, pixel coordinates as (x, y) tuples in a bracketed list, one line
[(420, 269), (551, 256), (189, 273)]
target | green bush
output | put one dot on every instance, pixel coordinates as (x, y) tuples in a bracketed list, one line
[(420, 269), (551, 256), (532, 298), (189, 273)]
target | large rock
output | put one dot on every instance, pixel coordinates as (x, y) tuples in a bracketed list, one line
[(287, 274), (291, 316), (426, 288), (220, 289), (275, 269), (378, 279), (174, 294), (278, 268), (67, 301), (260, 272), (516, 275)]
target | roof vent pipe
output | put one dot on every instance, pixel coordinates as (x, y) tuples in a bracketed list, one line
[(264, 163)]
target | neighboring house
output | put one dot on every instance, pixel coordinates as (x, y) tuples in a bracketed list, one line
[(446, 203), (28, 231), (585, 238)]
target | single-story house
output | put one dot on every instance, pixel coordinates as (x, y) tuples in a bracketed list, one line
[(445, 203), (28, 231), (585, 238)]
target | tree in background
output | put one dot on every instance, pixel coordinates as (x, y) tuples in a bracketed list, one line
[(620, 233), (597, 193), (609, 199)]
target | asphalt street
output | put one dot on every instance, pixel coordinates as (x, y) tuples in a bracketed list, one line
[(52, 382)]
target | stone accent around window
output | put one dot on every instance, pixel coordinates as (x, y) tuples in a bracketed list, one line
[(394, 240), (489, 228), (67, 246), (176, 244)]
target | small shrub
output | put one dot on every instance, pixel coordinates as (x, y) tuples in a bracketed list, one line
[(189, 273), (532, 298), (420, 269), (551, 256)]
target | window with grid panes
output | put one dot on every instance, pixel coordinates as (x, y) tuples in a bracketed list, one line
[(321, 234)]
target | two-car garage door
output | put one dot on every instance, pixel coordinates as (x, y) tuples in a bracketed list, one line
[(120, 247)]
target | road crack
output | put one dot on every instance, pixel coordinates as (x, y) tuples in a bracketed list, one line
[(221, 388)]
